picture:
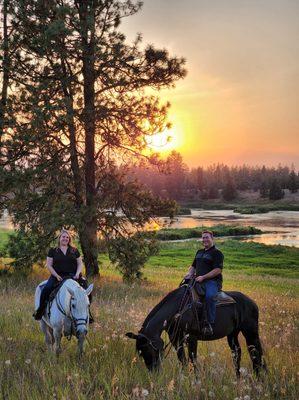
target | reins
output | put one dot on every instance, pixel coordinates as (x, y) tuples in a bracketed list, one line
[(75, 321), (178, 316)]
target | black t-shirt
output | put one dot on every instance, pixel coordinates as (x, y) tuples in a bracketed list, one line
[(206, 260), (64, 264)]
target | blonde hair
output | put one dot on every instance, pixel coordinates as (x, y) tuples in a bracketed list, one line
[(61, 233)]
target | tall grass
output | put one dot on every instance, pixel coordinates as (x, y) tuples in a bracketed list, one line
[(110, 368)]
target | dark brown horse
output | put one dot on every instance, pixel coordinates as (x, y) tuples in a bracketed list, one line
[(181, 318)]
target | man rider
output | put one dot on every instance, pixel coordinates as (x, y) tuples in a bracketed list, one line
[(207, 268)]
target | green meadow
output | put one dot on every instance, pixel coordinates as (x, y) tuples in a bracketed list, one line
[(110, 368)]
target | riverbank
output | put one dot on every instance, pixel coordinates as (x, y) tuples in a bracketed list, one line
[(218, 231), (248, 202)]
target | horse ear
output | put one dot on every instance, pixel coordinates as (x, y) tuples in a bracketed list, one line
[(71, 292), (89, 289), (131, 335)]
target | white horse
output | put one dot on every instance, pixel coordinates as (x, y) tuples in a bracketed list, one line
[(68, 314)]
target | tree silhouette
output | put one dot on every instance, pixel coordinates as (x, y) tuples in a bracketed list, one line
[(79, 114)]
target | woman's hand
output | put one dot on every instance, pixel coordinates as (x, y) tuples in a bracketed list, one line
[(58, 277), (199, 279), (77, 276)]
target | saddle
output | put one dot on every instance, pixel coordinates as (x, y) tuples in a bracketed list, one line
[(82, 282), (222, 299)]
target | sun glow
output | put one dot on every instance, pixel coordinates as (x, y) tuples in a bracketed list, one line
[(164, 141)]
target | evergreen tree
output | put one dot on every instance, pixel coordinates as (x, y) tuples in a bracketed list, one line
[(275, 192), (229, 191), (81, 112), (293, 182), (264, 191), (212, 192)]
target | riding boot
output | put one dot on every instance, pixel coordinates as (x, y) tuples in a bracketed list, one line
[(38, 314)]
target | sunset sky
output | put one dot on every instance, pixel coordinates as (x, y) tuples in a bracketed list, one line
[(239, 102)]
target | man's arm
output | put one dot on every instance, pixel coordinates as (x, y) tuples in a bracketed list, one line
[(190, 273), (217, 270), (209, 275)]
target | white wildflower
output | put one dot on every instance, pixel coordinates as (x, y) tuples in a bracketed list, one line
[(144, 392), (7, 362)]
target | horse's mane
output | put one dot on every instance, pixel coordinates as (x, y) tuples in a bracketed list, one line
[(157, 307)]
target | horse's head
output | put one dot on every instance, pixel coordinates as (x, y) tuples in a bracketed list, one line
[(149, 349), (79, 308)]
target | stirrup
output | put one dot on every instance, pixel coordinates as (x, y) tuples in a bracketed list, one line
[(208, 330)]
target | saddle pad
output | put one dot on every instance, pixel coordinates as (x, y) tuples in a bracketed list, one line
[(223, 299)]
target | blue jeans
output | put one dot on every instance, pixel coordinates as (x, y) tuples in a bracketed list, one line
[(211, 292)]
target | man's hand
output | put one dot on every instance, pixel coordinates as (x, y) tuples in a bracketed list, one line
[(77, 276), (199, 279), (190, 273), (58, 277)]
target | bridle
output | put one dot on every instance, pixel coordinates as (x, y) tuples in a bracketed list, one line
[(75, 321), (175, 320)]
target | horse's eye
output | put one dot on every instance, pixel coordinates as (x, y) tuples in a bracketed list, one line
[(73, 305)]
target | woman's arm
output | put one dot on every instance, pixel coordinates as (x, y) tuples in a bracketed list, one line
[(79, 267), (51, 269)]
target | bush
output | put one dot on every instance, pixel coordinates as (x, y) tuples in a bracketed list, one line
[(131, 253)]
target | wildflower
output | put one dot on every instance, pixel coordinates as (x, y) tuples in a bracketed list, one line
[(7, 362), (246, 397), (243, 371), (170, 386), (211, 394), (135, 391), (144, 392), (212, 354), (28, 361)]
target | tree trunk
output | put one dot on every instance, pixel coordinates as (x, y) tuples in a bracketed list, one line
[(89, 235), (5, 68)]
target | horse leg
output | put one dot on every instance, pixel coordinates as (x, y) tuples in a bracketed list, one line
[(80, 344), (181, 353), (255, 350), (57, 340), (192, 349), (233, 342), (48, 335)]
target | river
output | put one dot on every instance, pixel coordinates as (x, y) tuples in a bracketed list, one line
[(281, 227)]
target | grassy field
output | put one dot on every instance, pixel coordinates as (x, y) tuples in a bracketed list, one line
[(110, 368), (218, 231)]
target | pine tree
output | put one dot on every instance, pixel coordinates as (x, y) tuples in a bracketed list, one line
[(80, 112), (264, 191), (275, 192), (293, 182), (229, 191)]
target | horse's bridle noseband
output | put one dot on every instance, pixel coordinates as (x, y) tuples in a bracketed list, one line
[(149, 342)]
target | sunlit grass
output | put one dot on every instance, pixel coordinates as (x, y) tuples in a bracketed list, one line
[(110, 369)]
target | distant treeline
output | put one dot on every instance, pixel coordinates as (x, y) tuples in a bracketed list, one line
[(175, 180)]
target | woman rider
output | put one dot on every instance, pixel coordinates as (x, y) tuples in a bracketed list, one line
[(63, 262)]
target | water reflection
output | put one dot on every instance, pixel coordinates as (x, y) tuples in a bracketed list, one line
[(282, 227)]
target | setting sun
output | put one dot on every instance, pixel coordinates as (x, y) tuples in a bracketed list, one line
[(164, 141)]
